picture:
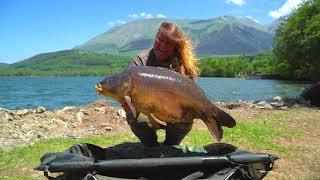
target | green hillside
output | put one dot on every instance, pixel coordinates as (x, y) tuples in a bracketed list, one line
[(3, 65), (222, 35), (67, 63), (85, 63)]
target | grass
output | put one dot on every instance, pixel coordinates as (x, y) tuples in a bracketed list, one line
[(29, 155), (258, 136), (20, 158)]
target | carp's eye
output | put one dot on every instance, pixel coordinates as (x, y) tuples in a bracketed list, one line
[(110, 81), (105, 81)]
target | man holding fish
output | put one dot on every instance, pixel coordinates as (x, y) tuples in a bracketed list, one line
[(171, 50), (166, 100)]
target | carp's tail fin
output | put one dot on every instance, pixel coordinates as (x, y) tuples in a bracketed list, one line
[(214, 128), (215, 118), (223, 118)]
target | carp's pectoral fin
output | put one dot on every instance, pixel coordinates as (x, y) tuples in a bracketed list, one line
[(214, 128), (155, 121), (132, 108)]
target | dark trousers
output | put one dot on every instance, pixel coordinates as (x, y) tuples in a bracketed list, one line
[(175, 132)]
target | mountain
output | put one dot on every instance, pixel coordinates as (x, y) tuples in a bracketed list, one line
[(275, 24), (67, 62), (218, 36)]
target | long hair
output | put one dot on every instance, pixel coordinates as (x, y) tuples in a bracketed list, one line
[(184, 48)]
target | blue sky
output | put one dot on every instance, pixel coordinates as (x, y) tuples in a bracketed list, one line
[(30, 27)]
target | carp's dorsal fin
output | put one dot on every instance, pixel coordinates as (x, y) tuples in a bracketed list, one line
[(132, 108)]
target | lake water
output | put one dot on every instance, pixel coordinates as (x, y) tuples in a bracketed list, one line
[(58, 92)]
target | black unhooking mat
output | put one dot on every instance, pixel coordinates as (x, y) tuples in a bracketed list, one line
[(134, 161)]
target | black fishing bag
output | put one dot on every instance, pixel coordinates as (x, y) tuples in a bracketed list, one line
[(134, 161)]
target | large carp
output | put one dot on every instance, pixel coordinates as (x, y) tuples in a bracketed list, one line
[(164, 96)]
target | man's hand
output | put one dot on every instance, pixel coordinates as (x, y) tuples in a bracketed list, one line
[(125, 107)]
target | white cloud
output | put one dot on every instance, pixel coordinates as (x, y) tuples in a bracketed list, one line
[(141, 15), (286, 8), (147, 16), (237, 2), (134, 16), (120, 22), (111, 24), (144, 15), (116, 23), (161, 16)]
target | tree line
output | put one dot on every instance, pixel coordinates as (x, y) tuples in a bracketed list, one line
[(236, 66), (233, 66)]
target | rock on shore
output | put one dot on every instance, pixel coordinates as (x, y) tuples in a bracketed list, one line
[(20, 127), (276, 102)]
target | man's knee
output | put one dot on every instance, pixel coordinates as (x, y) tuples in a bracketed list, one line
[(179, 127), (175, 133), (146, 134)]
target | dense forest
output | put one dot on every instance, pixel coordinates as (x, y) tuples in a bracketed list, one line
[(296, 48), (237, 66)]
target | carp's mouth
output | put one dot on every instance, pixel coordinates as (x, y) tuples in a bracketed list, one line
[(105, 91), (99, 88), (102, 90)]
